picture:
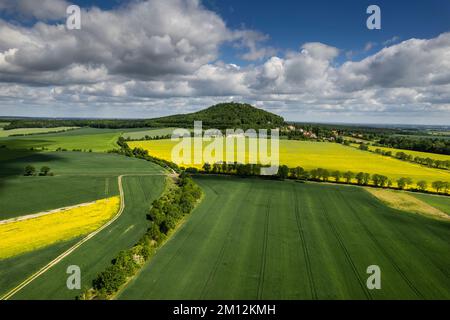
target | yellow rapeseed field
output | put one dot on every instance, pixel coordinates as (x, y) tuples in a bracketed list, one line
[(327, 155), (22, 236)]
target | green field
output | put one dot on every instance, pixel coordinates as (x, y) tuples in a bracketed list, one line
[(93, 256), (259, 239), (332, 156), (79, 177), (136, 135), (99, 140), (440, 202), (32, 131)]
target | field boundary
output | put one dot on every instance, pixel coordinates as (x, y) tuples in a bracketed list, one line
[(407, 203), (55, 261), (44, 213)]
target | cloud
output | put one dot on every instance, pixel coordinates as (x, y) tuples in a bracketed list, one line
[(252, 40), (391, 41), (151, 54), (369, 46)]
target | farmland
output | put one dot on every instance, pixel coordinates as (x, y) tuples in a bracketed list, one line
[(79, 177), (94, 255), (136, 135), (420, 154), (42, 230), (247, 239), (257, 239), (331, 156), (32, 131), (99, 140), (442, 203)]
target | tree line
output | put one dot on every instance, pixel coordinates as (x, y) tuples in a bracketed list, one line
[(425, 161), (178, 200), (142, 154), (322, 175), (432, 145)]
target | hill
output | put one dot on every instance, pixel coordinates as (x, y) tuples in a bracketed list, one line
[(225, 115), (220, 116)]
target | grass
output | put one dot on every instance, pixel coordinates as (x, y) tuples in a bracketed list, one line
[(27, 235), (440, 202), (32, 131), (149, 132), (332, 156), (99, 140), (259, 239), (96, 254), (407, 202), (79, 177)]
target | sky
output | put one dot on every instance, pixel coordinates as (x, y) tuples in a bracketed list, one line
[(306, 60)]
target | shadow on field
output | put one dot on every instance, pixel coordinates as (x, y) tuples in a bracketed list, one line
[(13, 162)]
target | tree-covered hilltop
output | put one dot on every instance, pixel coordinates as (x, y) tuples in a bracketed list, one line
[(220, 116), (226, 115)]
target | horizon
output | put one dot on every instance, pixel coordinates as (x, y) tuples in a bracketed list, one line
[(307, 62)]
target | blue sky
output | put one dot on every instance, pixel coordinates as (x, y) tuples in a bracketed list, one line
[(305, 60), (338, 23)]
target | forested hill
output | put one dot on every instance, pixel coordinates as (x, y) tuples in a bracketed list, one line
[(220, 116), (226, 115)]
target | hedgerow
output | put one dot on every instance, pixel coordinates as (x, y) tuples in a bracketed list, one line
[(178, 200)]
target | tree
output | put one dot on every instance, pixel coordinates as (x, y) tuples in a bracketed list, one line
[(30, 170), (422, 185), (445, 186), (376, 179), (44, 171), (383, 180), (438, 185), (314, 174), (297, 172), (366, 178), (336, 175), (403, 182), (363, 146), (153, 232), (216, 167), (283, 172), (325, 175), (360, 177), (224, 167), (206, 167), (408, 181), (349, 176)]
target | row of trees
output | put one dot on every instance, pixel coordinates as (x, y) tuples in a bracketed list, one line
[(178, 200), (320, 174), (239, 169), (31, 171), (426, 161), (142, 154), (433, 145), (147, 137)]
